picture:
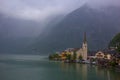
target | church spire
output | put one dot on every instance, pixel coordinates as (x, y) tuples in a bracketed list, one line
[(84, 40)]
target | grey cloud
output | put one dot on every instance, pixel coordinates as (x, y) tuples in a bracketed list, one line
[(38, 12), (41, 10), (102, 3), (38, 9)]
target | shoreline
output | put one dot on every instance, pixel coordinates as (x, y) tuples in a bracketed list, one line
[(115, 68)]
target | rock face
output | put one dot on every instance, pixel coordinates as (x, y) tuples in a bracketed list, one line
[(99, 24)]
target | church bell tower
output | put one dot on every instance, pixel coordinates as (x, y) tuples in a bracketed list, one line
[(84, 47)]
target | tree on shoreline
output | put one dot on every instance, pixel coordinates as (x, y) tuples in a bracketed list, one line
[(54, 56), (74, 55), (80, 57), (68, 57)]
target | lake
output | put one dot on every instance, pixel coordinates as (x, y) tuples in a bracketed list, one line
[(36, 67)]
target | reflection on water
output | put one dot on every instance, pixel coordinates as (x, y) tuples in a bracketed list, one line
[(89, 72), (35, 67)]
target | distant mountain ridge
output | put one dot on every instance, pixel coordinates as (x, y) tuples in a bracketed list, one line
[(16, 35), (99, 24), (61, 33)]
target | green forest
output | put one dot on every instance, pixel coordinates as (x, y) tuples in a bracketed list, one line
[(115, 42)]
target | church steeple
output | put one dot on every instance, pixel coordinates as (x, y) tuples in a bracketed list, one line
[(84, 40), (84, 47), (84, 50)]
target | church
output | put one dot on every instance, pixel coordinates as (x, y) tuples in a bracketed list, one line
[(84, 50), (78, 52)]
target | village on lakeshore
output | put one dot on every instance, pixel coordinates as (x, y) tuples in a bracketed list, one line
[(109, 57)]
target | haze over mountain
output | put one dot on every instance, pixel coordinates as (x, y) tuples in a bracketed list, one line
[(46, 26), (99, 24), (21, 21), (17, 34)]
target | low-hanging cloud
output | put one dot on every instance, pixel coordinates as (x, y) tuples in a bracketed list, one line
[(37, 9), (41, 10), (101, 3)]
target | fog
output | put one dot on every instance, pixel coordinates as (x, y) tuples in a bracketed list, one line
[(41, 12)]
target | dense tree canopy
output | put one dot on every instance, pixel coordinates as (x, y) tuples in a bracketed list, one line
[(115, 42)]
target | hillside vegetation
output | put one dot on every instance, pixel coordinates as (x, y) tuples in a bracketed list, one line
[(115, 42)]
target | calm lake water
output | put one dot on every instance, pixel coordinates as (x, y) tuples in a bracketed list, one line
[(35, 67)]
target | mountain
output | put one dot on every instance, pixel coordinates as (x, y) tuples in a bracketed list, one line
[(16, 34), (99, 24), (115, 41)]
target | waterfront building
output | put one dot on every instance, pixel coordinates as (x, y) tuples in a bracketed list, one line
[(84, 50), (99, 55), (76, 52), (106, 54)]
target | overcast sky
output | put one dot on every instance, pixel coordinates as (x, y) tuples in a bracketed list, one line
[(41, 10), (38, 9)]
